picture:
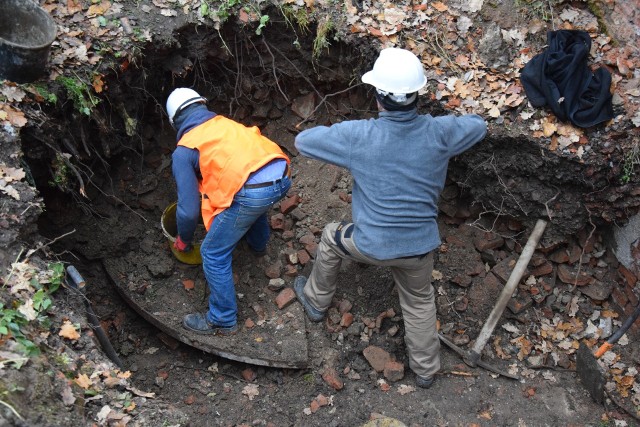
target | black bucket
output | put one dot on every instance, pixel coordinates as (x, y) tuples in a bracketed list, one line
[(26, 34)]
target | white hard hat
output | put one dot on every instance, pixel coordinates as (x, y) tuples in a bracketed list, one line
[(181, 98), (396, 71)]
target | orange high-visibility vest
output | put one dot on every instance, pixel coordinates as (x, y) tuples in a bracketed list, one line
[(229, 152)]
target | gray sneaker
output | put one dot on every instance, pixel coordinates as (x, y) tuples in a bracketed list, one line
[(425, 382), (313, 313)]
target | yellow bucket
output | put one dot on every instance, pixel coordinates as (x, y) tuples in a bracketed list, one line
[(170, 230)]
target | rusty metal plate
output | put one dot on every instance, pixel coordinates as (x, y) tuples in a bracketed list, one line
[(167, 290)]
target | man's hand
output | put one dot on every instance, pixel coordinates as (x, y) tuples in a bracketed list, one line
[(182, 246)]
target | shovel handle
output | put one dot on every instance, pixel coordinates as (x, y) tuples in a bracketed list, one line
[(509, 287), (618, 334)]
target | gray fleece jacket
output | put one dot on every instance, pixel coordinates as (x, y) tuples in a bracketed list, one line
[(399, 165)]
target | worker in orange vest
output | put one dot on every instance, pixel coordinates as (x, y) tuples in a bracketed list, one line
[(231, 175)]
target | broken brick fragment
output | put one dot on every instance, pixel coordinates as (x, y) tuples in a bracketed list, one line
[(249, 374), (303, 257), (347, 320), (330, 376), (393, 371), (289, 204), (277, 222), (376, 357), (285, 297), (249, 324)]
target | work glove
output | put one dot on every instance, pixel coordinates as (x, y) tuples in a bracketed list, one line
[(181, 246)]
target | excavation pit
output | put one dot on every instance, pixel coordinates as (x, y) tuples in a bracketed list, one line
[(120, 157)]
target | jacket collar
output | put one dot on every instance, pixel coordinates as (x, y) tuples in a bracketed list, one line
[(399, 116), (194, 115)]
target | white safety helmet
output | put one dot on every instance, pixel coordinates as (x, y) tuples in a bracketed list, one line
[(181, 98), (396, 72)]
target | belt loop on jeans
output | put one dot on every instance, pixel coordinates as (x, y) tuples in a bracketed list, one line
[(348, 230)]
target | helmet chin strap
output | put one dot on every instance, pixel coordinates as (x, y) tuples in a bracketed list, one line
[(185, 103), (390, 104), (399, 98)]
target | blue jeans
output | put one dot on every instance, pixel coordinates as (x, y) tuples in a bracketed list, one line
[(246, 217)]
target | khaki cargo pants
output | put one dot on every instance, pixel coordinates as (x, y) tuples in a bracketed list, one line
[(413, 280)]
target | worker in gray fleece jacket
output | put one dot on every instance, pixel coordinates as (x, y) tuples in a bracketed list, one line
[(399, 165)]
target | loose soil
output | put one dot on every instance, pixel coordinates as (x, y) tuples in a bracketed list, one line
[(494, 194)]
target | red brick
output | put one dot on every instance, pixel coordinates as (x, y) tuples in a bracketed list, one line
[(289, 204), (559, 257), (542, 269), (568, 275), (462, 280), (249, 374), (476, 270), (285, 297), (633, 298), (503, 269), (273, 271), (312, 248), (345, 306), (249, 323), (629, 278), (277, 222), (303, 257), (330, 376), (314, 406), (575, 252), (288, 235), (453, 240), (322, 400), (537, 259), (488, 241), (291, 270), (346, 320), (376, 357), (393, 371), (307, 238)]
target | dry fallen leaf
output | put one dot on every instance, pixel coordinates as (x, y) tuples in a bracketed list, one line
[(439, 6), (9, 174), (124, 375), (83, 381), (494, 112), (404, 389), (12, 93), (68, 331), (98, 9), (73, 6), (251, 390), (112, 381), (98, 83), (485, 415), (548, 128), (15, 117)]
